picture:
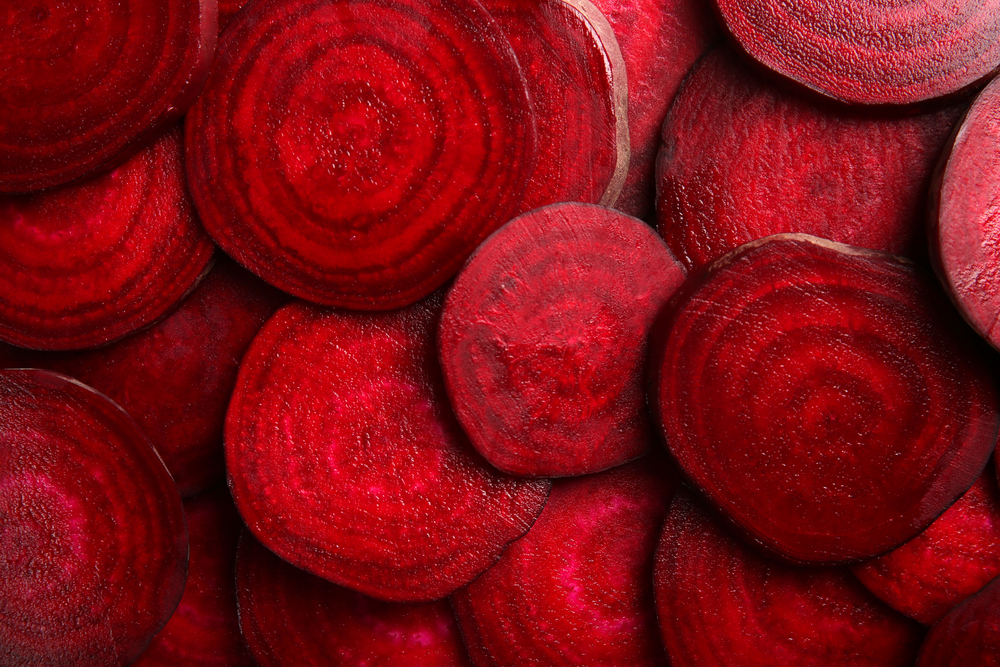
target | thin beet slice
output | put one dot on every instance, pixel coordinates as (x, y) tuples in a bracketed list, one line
[(968, 635), (88, 264), (744, 158), (720, 604), (93, 539), (543, 339), (87, 84), (355, 154), (345, 459), (291, 618), (826, 398)]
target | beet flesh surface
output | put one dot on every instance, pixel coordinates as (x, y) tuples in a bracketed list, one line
[(543, 339), (345, 459), (968, 635), (354, 154), (94, 546), (827, 399), (744, 157), (87, 84)]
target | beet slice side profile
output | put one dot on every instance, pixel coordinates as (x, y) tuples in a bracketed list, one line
[(826, 398), (968, 635), (94, 545)]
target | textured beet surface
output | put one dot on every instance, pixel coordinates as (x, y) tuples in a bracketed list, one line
[(93, 538), (968, 635), (543, 339), (355, 155), (744, 157), (86, 84), (227, 10), (720, 604), (826, 398)]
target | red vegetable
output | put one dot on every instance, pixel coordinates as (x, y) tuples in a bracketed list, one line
[(968, 635)]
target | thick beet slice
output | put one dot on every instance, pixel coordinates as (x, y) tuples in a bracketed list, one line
[(86, 84), (720, 604), (968, 635), (543, 339), (345, 459), (744, 158), (91, 263), (93, 539), (355, 154), (826, 398)]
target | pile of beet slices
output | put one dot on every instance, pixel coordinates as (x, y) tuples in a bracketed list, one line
[(499, 333)]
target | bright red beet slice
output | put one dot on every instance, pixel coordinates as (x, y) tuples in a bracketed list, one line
[(88, 264), (826, 398), (720, 604), (354, 155), (87, 84), (93, 539), (744, 158), (968, 635), (345, 459), (543, 339)]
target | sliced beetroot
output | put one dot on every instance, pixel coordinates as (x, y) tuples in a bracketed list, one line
[(720, 604), (227, 10), (355, 156), (87, 84), (543, 339), (968, 635), (575, 590), (345, 459), (826, 398), (93, 539), (744, 158), (88, 264)]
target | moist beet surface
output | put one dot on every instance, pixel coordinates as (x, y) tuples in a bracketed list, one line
[(826, 398), (543, 339), (968, 635), (93, 538), (227, 10)]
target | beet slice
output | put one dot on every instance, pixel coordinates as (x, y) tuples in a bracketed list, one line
[(86, 85), (575, 590), (345, 459), (968, 635), (720, 604), (543, 339), (355, 156), (88, 264), (744, 158), (227, 10), (826, 398), (93, 539)]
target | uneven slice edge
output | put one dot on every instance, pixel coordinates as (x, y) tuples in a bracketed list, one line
[(968, 635)]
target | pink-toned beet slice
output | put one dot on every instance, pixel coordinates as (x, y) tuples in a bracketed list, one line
[(291, 618), (575, 591), (87, 84), (543, 339), (968, 635), (94, 546), (91, 263), (744, 157), (826, 398), (354, 155), (345, 459), (720, 604)]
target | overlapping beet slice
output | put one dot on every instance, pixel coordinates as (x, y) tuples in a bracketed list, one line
[(968, 635), (826, 398), (93, 538)]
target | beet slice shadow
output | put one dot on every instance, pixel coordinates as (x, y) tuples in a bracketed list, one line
[(968, 635)]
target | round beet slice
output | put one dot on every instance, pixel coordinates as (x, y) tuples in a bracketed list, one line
[(345, 459), (968, 635), (93, 540), (826, 398), (91, 263), (86, 84), (866, 52), (354, 154), (543, 339)]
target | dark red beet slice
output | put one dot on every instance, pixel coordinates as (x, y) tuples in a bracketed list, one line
[(720, 604), (345, 459), (227, 10), (93, 539), (826, 398), (744, 158), (355, 156), (968, 635), (543, 339), (87, 84), (575, 590), (88, 264), (291, 618)]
